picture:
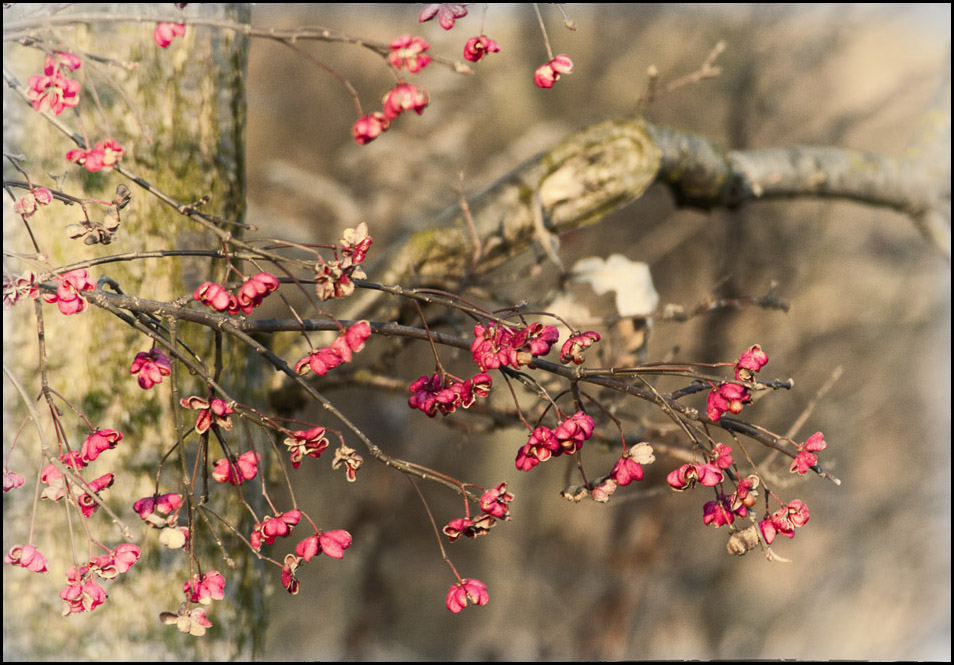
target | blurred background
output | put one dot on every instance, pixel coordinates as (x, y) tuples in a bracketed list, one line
[(640, 577)]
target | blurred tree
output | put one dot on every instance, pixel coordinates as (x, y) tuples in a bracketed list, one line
[(640, 577)]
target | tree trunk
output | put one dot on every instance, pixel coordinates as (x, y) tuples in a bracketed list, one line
[(179, 114)]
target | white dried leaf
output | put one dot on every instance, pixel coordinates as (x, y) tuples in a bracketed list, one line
[(642, 452), (631, 280)]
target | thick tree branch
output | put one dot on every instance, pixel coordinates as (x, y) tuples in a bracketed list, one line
[(605, 167), (700, 174)]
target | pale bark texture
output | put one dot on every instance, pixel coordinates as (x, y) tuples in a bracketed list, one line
[(179, 113)]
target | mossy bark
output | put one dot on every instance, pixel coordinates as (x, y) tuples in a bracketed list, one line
[(179, 114)]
